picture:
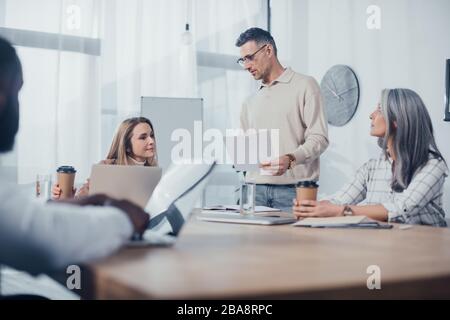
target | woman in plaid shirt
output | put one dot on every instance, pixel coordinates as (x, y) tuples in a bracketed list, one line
[(405, 184)]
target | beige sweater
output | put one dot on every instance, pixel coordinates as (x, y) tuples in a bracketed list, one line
[(293, 104)]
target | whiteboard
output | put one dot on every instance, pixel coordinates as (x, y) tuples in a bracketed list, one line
[(168, 114)]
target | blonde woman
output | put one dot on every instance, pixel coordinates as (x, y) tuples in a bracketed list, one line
[(133, 144)]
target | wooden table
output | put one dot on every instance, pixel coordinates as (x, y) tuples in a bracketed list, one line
[(221, 261)]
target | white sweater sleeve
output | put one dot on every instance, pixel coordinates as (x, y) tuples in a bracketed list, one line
[(38, 237)]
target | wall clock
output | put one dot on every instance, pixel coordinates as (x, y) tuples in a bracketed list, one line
[(340, 92)]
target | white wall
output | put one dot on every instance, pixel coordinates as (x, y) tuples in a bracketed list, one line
[(408, 51)]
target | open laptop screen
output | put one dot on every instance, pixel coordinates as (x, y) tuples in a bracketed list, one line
[(175, 196)]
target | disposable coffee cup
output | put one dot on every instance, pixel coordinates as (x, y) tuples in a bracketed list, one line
[(66, 179), (307, 190)]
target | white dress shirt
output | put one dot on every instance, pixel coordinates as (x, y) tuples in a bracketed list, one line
[(38, 237)]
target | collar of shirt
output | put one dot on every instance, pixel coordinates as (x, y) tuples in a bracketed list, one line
[(285, 77), (138, 163)]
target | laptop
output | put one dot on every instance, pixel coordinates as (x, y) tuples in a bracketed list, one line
[(172, 203), (231, 214), (133, 183), (271, 218)]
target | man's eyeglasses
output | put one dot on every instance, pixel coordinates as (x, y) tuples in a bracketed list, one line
[(249, 57)]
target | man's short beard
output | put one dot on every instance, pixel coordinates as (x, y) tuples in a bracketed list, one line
[(9, 126)]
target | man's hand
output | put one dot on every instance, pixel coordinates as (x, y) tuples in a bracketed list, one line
[(138, 217), (276, 167)]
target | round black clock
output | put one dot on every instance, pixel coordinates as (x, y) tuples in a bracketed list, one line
[(340, 92)]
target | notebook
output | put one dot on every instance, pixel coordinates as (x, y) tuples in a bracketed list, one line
[(234, 211), (342, 222), (272, 219)]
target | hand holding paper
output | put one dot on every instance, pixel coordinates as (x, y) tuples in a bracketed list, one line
[(256, 151), (276, 167)]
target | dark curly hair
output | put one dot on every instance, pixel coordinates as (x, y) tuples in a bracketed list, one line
[(10, 84)]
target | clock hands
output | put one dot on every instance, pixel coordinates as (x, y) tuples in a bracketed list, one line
[(334, 93), (347, 90), (338, 95)]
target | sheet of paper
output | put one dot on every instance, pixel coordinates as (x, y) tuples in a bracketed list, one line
[(247, 151)]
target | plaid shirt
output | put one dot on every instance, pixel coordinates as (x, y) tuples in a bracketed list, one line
[(419, 203)]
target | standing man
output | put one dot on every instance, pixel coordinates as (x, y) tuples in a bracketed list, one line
[(287, 101)]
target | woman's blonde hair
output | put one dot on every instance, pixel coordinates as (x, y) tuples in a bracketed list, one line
[(121, 147)]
